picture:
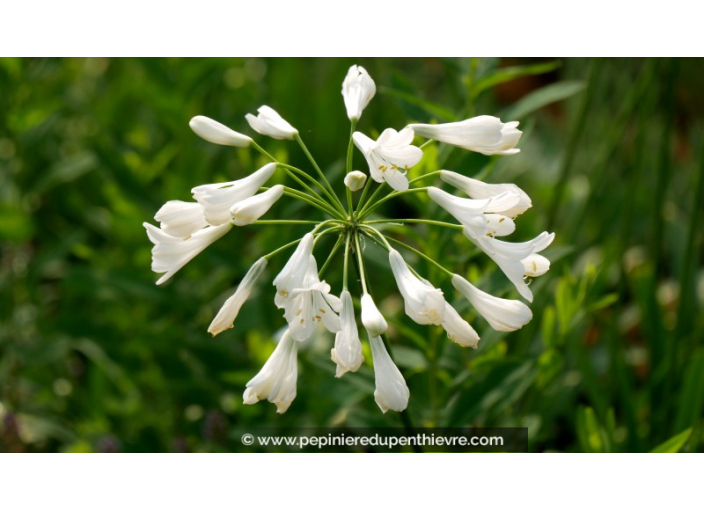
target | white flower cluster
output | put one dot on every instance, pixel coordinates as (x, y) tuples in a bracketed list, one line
[(488, 213)]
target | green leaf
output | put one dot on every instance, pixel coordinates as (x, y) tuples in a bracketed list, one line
[(674, 444), (506, 74), (543, 97)]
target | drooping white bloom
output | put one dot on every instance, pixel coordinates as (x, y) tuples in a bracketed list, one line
[(389, 156), (470, 212), (355, 180), (270, 123), (535, 265), (276, 381), (373, 321), (509, 257), (458, 329), (481, 190), (214, 132), (501, 314), (170, 253), (391, 390), (347, 353), (217, 199), (251, 209), (312, 304), (228, 313), (293, 273), (357, 90), (181, 219), (424, 303), (484, 134)]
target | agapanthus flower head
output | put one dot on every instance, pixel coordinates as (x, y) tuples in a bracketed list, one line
[(309, 303)]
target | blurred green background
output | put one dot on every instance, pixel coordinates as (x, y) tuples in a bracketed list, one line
[(95, 357)]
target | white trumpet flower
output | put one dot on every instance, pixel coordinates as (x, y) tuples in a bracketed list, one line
[(470, 212), (458, 329), (312, 304), (390, 156), (225, 318), (347, 353), (509, 257), (355, 180), (170, 253), (501, 314), (214, 132), (269, 123), (373, 321), (251, 209), (276, 381), (181, 219), (391, 389), (217, 199), (424, 303), (484, 134), (294, 272), (481, 190), (357, 90)]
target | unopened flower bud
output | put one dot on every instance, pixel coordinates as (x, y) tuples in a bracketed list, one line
[(355, 180)]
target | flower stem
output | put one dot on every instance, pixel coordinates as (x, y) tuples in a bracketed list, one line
[(420, 253), (347, 256), (323, 206), (333, 203), (348, 168), (263, 152), (360, 262), (424, 176), (331, 256), (426, 144), (286, 222), (361, 207), (317, 168), (367, 185), (293, 243), (413, 220), (368, 209)]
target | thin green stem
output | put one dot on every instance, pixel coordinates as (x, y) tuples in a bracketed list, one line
[(305, 174), (348, 169), (317, 168), (290, 169), (347, 256), (323, 206), (263, 152), (424, 176), (361, 207), (411, 248), (367, 185), (426, 144), (368, 209), (286, 222), (360, 263), (293, 243), (282, 248), (332, 254), (412, 220)]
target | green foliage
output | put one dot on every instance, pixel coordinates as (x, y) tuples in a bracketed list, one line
[(95, 357)]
